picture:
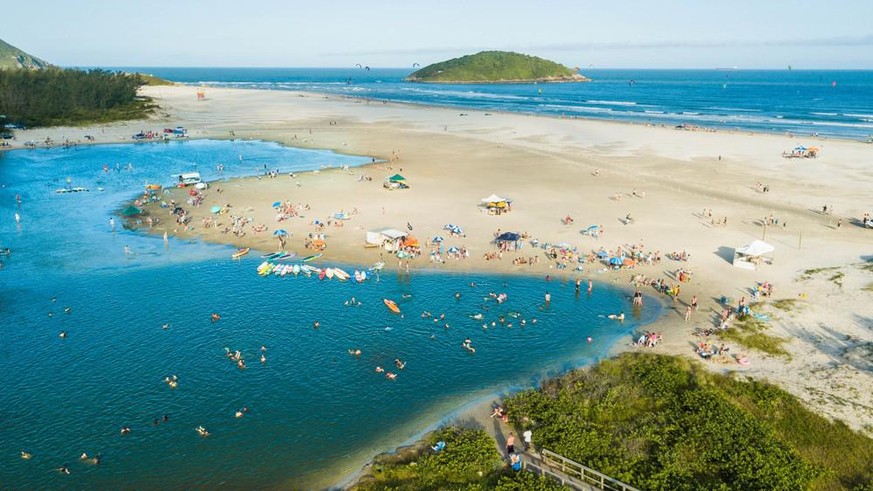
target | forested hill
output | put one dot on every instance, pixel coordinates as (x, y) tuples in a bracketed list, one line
[(496, 67), (54, 96), (12, 57)]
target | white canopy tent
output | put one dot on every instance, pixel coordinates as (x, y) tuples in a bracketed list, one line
[(750, 255), (494, 199), (389, 238)]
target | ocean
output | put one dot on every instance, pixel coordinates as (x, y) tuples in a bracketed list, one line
[(315, 412), (827, 103)]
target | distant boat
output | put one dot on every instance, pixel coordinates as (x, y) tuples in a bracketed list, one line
[(392, 306)]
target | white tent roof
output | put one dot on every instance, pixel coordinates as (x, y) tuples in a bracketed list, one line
[(756, 248), (493, 199), (390, 232)]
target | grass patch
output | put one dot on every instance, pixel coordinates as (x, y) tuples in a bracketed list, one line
[(868, 267), (786, 304), (809, 273), (837, 278), (868, 288), (749, 332)]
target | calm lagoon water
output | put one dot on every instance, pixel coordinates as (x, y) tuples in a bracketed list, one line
[(316, 412)]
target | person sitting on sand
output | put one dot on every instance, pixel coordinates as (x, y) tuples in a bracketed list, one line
[(619, 317)]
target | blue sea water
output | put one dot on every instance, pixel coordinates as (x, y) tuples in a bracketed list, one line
[(829, 103), (316, 412)]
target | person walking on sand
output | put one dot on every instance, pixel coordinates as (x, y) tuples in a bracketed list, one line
[(694, 303), (687, 313)]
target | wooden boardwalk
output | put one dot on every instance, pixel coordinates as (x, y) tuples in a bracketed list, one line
[(571, 473)]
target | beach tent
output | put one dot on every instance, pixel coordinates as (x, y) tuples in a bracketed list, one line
[(397, 178), (131, 211), (750, 255), (493, 199), (389, 238)]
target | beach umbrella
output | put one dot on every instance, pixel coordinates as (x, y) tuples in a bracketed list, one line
[(215, 209), (402, 254), (592, 227), (508, 237), (454, 250), (602, 254), (277, 204), (457, 230), (280, 232), (131, 211), (616, 261), (448, 226), (437, 239)]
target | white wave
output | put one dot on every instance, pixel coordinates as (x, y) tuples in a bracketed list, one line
[(865, 117), (823, 114), (612, 103)]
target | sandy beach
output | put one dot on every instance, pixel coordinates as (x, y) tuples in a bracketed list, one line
[(701, 192)]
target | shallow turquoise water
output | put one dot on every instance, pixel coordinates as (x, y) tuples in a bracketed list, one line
[(316, 412)]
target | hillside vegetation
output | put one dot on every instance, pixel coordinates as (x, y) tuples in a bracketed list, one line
[(495, 67), (663, 423), (12, 57), (70, 97)]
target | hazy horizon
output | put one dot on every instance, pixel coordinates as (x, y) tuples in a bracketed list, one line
[(639, 34)]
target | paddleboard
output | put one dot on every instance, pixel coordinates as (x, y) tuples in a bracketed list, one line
[(310, 258), (240, 253)]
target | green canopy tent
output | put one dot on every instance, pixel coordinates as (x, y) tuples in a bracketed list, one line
[(396, 178), (131, 211)]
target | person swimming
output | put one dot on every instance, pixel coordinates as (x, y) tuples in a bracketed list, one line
[(64, 469), (379, 369), (316, 325), (468, 345), (165, 325), (62, 335), (391, 375), (619, 317), (215, 317), (239, 413), (399, 363), (263, 359), (125, 430), (202, 431), (26, 455)]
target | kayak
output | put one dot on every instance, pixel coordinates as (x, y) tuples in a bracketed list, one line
[(272, 255), (340, 274), (391, 306), (240, 253)]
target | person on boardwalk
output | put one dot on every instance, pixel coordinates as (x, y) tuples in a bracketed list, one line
[(510, 444), (527, 435)]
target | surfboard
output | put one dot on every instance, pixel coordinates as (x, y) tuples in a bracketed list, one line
[(312, 257)]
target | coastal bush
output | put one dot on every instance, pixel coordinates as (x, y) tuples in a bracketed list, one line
[(55, 96), (658, 422), (469, 459)]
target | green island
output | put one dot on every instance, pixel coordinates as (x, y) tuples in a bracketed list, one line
[(654, 422), (34, 93), (496, 67)]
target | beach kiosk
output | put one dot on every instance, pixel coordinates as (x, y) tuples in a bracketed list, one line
[(751, 255), (389, 238)]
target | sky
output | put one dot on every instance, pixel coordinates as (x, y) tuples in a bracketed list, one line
[(397, 33)]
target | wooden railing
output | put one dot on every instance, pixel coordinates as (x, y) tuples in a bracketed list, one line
[(571, 473)]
